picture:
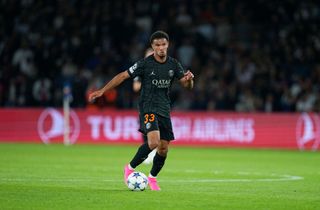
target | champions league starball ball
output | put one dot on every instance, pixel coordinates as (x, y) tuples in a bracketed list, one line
[(137, 181)]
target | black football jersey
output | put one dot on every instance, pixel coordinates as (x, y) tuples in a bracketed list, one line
[(156, 80)]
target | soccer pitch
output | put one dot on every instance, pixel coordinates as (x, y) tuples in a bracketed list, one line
[(36, 176)]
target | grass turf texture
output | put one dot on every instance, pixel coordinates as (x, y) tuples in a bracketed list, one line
[(36, 176)]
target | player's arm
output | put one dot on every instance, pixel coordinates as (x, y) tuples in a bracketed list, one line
[(116, 81), (187, 80), (136, 84)]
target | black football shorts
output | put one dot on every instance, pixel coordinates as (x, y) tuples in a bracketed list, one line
[(151, 122)]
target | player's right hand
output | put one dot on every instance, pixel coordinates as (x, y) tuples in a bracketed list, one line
[(94, 95)]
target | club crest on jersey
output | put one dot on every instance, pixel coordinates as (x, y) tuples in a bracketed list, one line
[(171, 73)]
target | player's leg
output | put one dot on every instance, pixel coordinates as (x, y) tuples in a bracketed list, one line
[(166, 135), (144, 138), (142, 153), (158, 162), (160, 157), (146, 148), (149, 126), (150, 157)]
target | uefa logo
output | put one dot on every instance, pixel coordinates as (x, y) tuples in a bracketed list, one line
[(308, 132), (51, 126)]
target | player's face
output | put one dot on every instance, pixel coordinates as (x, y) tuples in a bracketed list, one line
[(160, 47)]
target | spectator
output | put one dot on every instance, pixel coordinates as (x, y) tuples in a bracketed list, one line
[(247, 56), (42, 92)]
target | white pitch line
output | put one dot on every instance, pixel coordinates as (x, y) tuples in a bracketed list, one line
[(286, 178), (279, 179)]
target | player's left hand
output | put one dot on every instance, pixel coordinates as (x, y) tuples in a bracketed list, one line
[(188, 75)]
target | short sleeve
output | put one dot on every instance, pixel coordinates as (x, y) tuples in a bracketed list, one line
[(137, 69), (137, 79), (179, 71)]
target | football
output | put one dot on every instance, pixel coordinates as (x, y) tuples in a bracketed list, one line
[(137, 181)]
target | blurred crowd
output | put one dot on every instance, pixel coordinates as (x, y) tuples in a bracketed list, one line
[(247, 56)]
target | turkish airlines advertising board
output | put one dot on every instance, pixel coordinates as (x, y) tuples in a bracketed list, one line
[(227, 129)]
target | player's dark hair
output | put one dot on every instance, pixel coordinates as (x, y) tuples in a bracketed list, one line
[(159, 35)]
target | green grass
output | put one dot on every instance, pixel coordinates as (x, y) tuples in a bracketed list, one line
[(35, 176)]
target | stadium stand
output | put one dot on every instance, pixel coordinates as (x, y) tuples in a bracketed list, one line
[(246, 56)]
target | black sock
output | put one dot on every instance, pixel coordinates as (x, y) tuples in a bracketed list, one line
[(158, 163), (141, 155)]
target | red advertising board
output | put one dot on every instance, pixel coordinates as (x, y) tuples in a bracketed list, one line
[(291, 131)]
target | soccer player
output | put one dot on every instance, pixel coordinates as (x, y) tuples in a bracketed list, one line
[(157, 72), (136, 85)]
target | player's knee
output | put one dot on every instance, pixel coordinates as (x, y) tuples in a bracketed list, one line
[(163, 151), (153, 144), (153, 139)]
